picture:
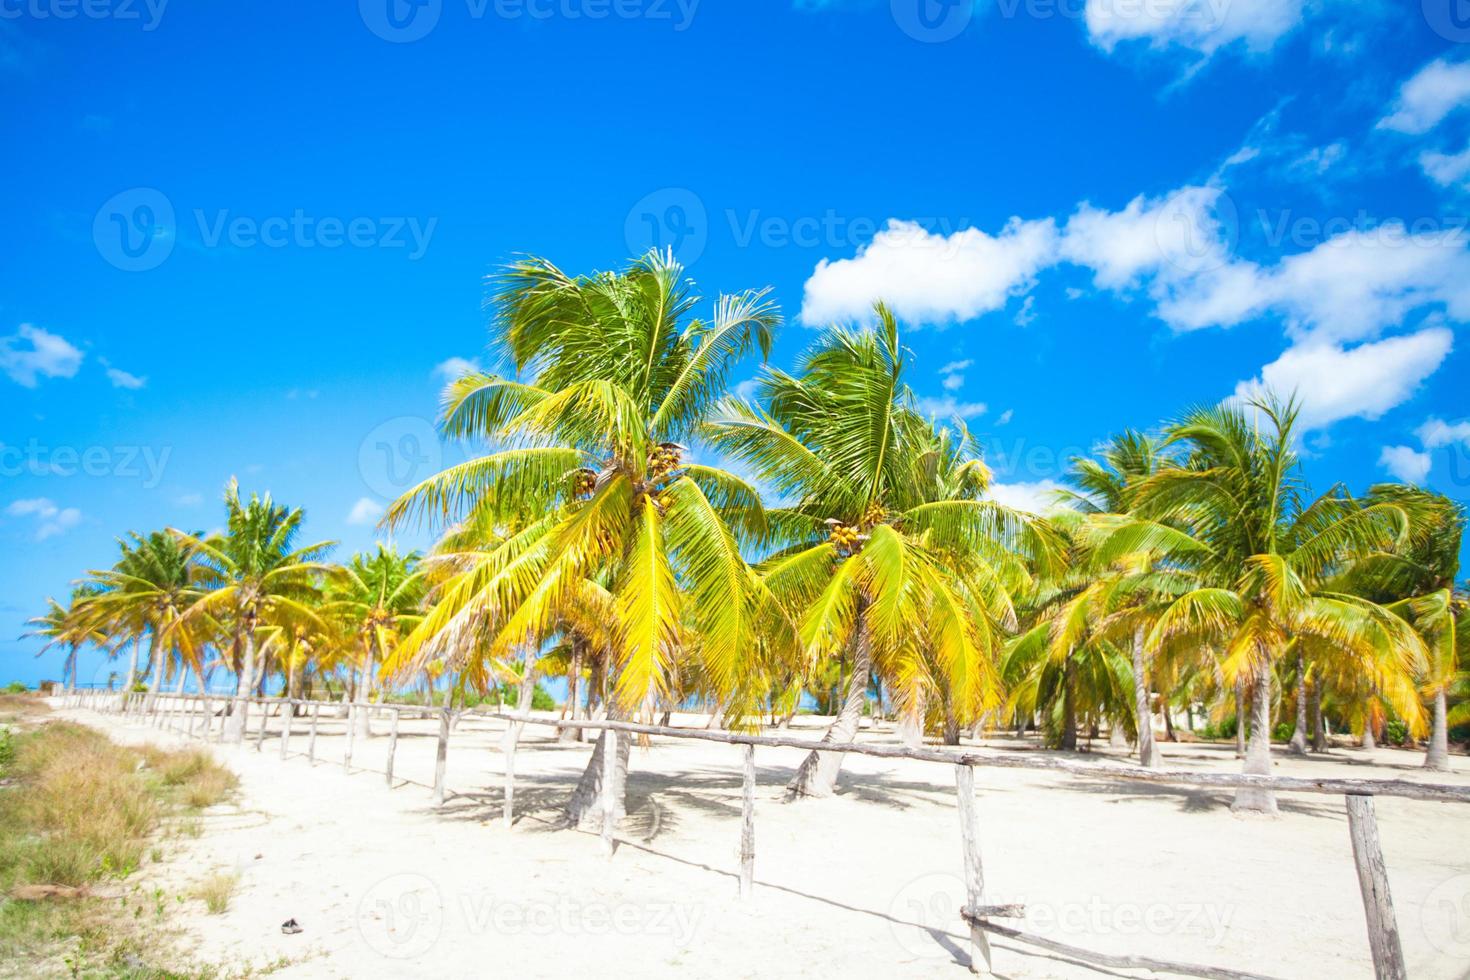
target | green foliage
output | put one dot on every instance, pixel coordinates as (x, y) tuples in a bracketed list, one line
[(510, 696), (1210, 732), (1282, 732), (15, 687), (1395, 732), (7, 750)]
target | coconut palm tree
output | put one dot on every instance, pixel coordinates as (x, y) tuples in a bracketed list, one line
[(68, 626), (1235, 514), (601, 510), (252, 575), (378, 599), (152, 586), (868, 564)]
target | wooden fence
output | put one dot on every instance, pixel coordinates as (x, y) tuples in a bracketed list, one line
[(194, 714)]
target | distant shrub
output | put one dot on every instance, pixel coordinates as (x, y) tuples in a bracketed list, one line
[(1212, 732), (1282, 732), (540, 700), (16, 687), (1396, 732)]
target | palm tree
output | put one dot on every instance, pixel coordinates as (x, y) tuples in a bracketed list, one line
[(377, 597), (152, 586), (917, 588), (252, 574), (67, 626), (1234, 513), (601, 511), (1419, 584)]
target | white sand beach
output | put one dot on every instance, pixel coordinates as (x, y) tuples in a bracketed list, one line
[(863, 884)]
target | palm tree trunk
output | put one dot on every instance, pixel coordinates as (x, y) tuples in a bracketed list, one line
[(183, 677), (1148, 752), (160, 658), (1258, 753), (1068, 740), (1164, 708), (235, 726), (1298, 743), (584, 809), (365, 693), (911, 726), (132, 672), (817, 775), (1438, 756), (1240, 722), (1319, 723), (69, 669), (574, 676)]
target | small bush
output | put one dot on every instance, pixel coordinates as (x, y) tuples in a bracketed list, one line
[(7, 749), (1395, 732), (16, 687), (1282, 732), (540, 700), (216, 892)]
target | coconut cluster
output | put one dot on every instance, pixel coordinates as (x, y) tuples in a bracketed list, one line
[(844, 537), (664, 460), (584, 483)]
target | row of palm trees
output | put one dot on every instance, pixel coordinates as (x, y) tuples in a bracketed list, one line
[(641, 530)]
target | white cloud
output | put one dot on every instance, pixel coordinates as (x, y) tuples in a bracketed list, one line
[(1405, 462), (954, 366), (1204, 26), (1436, 433), (930, 278), (952, 375), (189, 499), (1034, 498), (32, 353), (365, 511), (1005, 417), (1446, 169), (455, 367), (50, 519), (746, 390), (122, 379), (1436, 90), (946, 407), (1334, 383)]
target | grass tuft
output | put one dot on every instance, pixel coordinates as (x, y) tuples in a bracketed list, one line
[(216, 891)]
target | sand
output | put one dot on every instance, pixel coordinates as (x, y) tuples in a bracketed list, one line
[(864, 884)]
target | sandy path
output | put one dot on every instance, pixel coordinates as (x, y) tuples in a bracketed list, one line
[(865, 884)]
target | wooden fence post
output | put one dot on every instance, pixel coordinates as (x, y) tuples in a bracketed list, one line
[(286, 727), (441, 754), (609, 798), (316, 710), (265, 713), (980, 961), (747, 826), (1383, 929), (392, 746)]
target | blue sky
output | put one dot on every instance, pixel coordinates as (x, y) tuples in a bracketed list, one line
[(247, 239)]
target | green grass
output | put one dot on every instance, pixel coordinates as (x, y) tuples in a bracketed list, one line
[(82, 812), (216, 891)]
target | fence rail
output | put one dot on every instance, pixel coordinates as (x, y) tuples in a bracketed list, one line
[(194, 714)]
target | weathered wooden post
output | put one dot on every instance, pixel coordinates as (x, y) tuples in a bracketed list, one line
[(980, 961), (392, 746), (441, 754), (265, 713), (286, 727), (316, 710), (609, 798), (351, 735), (747, 826), (1383, 929)]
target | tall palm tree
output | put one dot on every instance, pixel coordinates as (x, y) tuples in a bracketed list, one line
[(1419, 583), (152, 585), (68, 626), (253, 574), (1235, 514), (597, 498), (378, 597), (868, 565)]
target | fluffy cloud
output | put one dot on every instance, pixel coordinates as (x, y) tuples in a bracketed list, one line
[(365, 511), (1436, 90), (947, 408), (123, 379), (927, 277), (50, 519), (1446, 169), (1436, 433), (1197, 25), (1038, 497), (952, 375), (32, 353), (1333, 382), (454, 368), (1405, 462)]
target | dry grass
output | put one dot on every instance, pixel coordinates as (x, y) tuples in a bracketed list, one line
[(216, 892)]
